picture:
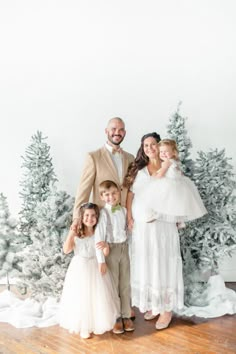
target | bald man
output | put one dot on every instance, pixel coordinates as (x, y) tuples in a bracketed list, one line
[(109, 162)]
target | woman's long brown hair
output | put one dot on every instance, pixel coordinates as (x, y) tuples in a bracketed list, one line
[(140, 161)]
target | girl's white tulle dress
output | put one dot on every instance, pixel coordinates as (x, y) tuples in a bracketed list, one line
[(173, 197), (156, 264), (89, 303)]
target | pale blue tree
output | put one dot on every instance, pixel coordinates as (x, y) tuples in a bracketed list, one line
[(205, 241), (214, 236), (37, 177), (45, 265), (176, 130), (10, 261)]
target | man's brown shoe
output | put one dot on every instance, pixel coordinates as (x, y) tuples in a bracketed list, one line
[(128, 325), (118, 327)]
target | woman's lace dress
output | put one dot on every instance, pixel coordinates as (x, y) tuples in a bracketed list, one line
[(156, 264)]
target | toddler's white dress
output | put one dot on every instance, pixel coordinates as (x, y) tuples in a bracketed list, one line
[(89, 303), (173, 197)]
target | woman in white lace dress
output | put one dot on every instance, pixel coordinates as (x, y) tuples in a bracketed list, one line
[(89, 303), (156, 264)]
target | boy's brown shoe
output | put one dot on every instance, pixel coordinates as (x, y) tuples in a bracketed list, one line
[(132, 316), (118, 327), (128, 325)]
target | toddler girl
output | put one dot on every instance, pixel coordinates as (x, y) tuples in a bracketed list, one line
[(171, 196)]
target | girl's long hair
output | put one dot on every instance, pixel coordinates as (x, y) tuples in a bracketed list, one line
[(140, 161), (81, 226)]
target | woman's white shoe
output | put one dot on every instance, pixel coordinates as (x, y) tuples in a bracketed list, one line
[(85, 335), (149, 316), (163, 323)]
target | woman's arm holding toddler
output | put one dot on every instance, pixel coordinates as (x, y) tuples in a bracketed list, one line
[(164, 167)]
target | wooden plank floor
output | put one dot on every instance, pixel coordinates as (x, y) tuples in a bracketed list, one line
[(185, 335)]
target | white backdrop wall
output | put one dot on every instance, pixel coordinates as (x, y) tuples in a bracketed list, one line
[(66, 67)]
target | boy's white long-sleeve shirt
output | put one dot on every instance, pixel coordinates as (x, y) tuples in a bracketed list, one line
[(111, 229)]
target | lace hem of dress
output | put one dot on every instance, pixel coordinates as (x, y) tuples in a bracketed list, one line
[(158, 301)]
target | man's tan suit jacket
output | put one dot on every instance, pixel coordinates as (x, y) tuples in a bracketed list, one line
[(98, 168)]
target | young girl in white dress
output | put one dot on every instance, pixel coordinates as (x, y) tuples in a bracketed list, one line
[(89, 300), (171, 196)]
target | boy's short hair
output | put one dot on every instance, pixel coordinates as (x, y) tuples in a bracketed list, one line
[(106, 185)]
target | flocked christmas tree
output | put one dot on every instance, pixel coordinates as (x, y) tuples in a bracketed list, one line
[(176, 130), (10, 261), (38, 175), (204, 242), (44, 266), (214, 236), (45, 218)]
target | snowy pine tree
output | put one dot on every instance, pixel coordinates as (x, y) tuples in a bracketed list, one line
[(45, 265), (213, 236), (177, 131), (194, 286), (205, 241), (9, 241), (38, 175)]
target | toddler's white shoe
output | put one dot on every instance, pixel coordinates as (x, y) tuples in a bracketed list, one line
[(181, 225)]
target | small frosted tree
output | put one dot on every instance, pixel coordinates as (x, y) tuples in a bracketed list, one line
[(9, 241), (176, 130), (45, 265), (37, 177)]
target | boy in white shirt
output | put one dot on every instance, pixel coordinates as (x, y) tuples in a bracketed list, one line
[(112, 229)]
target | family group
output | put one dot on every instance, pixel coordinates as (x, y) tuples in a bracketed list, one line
[(125, 236)]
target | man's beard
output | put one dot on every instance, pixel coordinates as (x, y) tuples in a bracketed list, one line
[(110, 138)]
